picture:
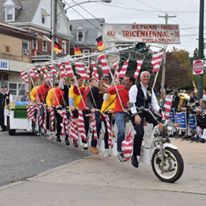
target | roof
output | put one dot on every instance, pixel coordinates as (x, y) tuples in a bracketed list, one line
[(27, 9), (92, 27), (17, 32)]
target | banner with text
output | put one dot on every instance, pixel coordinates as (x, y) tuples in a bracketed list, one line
[(148, 33)]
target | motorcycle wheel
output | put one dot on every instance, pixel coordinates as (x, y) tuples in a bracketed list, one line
[(173, 167)]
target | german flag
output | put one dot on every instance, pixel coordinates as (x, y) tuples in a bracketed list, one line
[(77, 51), (57, 48), (100, 44)]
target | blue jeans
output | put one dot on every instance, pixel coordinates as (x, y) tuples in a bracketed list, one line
[(120, 121)]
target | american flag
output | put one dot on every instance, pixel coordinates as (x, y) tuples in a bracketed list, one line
[(116, 68), (51, 118), (123, 70), (73, 128), (104, 63), (156, 61), (53, 70), (68, 69), (62, 70), (33, 72), (24, 76), (79, 67), (65, 123), (139, 64), (167, 106), (127, 146), (87, 71), (95, 71), (81, 126)]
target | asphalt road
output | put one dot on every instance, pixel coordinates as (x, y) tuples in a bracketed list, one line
[(24, 156)]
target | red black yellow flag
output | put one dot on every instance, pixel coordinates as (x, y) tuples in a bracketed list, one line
[(57, 48), (100, 44), (77, 51)]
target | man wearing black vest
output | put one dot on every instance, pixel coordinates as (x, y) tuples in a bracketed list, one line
[(141, 95)]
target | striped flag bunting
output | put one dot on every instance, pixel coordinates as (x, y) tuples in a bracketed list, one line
[(73, 128), (127, 146), (79, 68), (139, 64), (95, 71), (167, 106), (81, 126), (123, 70), (24, 76), (104, 63), (157, 61)]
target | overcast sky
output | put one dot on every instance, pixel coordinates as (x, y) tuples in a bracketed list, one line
[(144, 11)]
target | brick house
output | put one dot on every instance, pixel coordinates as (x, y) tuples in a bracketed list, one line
[(36, 16)]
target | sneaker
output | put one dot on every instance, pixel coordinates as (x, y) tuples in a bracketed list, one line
[(67, 141), (107, 153), (85, 146), (94, 150), (121, 157), (134, 161), (58, 139)]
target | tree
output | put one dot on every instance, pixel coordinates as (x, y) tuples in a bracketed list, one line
[(178, 70)]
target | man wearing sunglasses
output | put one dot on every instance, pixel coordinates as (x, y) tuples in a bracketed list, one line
[(141, 95)]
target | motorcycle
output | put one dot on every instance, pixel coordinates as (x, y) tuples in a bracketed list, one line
[(167, 162)]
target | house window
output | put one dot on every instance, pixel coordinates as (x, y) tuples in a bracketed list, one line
[(44, 46), (17, 88), (25, 47), (64, 47), (80, 36), (9, 13), (13, 88)]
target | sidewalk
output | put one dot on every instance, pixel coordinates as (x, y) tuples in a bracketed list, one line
[(105, 181)]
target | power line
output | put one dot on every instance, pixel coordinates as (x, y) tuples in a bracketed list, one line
[(88, 12), (84, 17)]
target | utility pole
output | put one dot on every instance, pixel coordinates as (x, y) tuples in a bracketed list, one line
[(54, 27), (201, 46), (166, 17)]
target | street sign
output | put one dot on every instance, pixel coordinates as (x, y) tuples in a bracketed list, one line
[(198, 67), (146, 33)]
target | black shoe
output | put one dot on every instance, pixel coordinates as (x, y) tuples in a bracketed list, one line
[(201, 140), (4, 129), (134, 161), (75, 144), (58, 139), (67, 141)]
